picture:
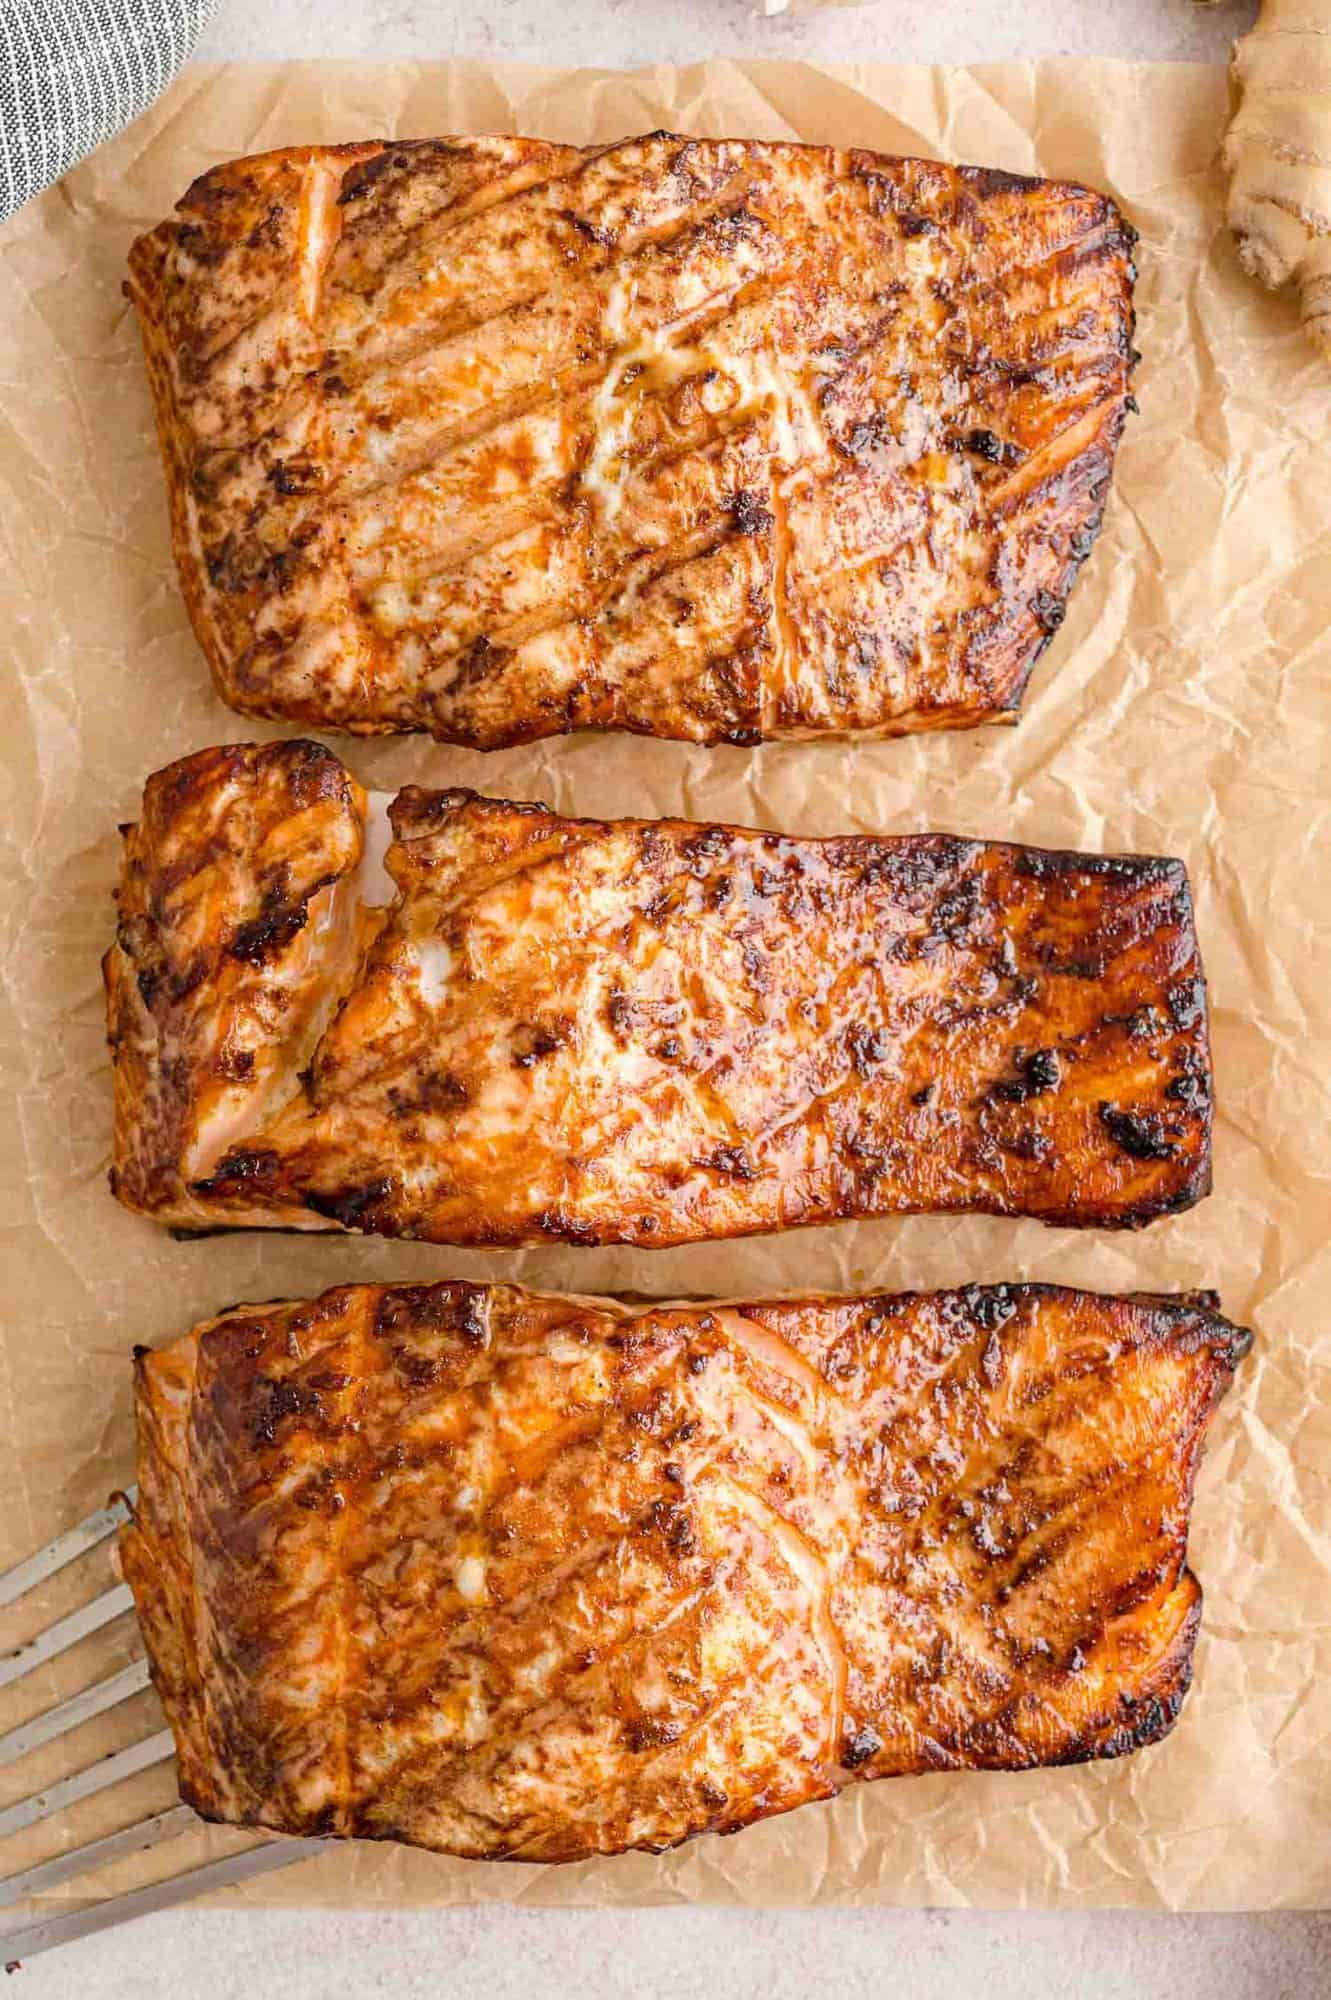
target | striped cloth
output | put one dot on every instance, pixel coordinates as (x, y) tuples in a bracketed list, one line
[(72, 72)]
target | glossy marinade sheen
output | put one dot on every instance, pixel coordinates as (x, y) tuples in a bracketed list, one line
[(641, 1031), (533, 1578), (707, 439)]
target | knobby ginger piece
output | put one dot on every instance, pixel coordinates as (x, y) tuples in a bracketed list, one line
[(1278, 155)]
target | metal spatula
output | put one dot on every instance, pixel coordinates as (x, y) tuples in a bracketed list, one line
[(28, 1939)]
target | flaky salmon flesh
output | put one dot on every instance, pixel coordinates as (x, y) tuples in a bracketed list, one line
[(704, 439), (531, 1578), (517, 1027)]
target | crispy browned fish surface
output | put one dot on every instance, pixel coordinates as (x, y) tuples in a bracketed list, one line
[(704, 439), (534, 1578), (632, 1031)]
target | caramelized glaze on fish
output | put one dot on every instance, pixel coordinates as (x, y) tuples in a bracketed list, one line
[(703, 439), (530, 1578), (632, 1031)]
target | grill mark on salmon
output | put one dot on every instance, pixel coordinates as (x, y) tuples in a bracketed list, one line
[(678, 1621), (632, 1031), (323, 331)]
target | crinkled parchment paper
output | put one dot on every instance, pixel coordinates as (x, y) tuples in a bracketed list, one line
[(1182, 709)]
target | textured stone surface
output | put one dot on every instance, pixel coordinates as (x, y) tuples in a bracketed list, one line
[(509, 1954), (616, 32)]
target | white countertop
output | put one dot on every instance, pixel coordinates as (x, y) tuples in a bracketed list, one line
[(621, 32), (499, 1952)]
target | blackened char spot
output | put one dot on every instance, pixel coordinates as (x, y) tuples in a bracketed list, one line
[(864, 1743), (1150, 1719), (292, 476), (359, 180), (1190, 1087), (592, 231), (1041, 1071), (988, 445), (1140, 1134), (434, 1310), (533, 1041), (437, 1091), (646, 1732), (264, 936), (1048, 863), (313, 771), (267, 232), (1186, 1002), (731, 1160), (706, 844), (995, 180), (751, 517), (918, 867), (353, 1207), (956, 913), (567, 1228), (480, 661), (868, 1047), (225, 571), (676, 1523), (239, 1168), (275, 1401), (419, 1369), (1049, 611), (1142, 1023), (990, 1306)]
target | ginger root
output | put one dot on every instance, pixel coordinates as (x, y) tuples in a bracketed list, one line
[(1278, 154)]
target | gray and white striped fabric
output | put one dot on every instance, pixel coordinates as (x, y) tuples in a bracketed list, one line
[(73, 72)]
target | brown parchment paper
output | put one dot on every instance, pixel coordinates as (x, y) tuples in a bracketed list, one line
[(1182, 709)]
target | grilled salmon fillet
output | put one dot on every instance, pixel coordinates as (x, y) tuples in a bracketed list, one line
[(632, 1031), (530, 1578), (704, 439)]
